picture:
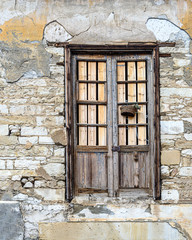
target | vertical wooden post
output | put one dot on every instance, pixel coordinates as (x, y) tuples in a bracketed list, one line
[(157, 124), (68, 119)]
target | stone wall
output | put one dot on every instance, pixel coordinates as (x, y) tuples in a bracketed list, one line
[(32, 165)]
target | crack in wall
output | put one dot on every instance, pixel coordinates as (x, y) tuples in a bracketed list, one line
[(181, 230)]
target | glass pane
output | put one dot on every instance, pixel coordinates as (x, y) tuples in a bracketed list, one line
[(82, 70), (122, 135)]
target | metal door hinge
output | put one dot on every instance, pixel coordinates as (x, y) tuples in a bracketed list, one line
[(116, 148)]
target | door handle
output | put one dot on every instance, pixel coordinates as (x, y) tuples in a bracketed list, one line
[(116, 149)]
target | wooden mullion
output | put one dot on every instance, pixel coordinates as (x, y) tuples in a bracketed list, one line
[(131, 103), (110, 128), (157, 125), (69, 125)]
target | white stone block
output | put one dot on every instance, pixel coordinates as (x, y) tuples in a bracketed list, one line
[(2, 164), (24, 140), (171, 194), (165, 171), (188, 136), (46, 140), (9, 164), (30, 131), (181, 62), (54, 169), (32, 82), (4, 130), (49, 194), (172, 127), (185, 172), (181, 92), (16, 178), (187, 152), (26, 163), (60, 152), (3, 109), (17, 110)]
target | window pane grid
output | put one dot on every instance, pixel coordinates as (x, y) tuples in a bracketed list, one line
[(132, 91), (91, 103)]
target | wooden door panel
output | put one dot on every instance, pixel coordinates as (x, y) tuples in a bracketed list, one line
[(134, 170), (92, 171)]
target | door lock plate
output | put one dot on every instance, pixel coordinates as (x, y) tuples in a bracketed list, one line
[(116, 148)]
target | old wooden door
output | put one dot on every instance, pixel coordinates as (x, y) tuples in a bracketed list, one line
[(113, 151)]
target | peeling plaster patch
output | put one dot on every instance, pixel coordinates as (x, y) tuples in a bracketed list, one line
[(29, 61), (98, 209), (55, 32), (164, 30)]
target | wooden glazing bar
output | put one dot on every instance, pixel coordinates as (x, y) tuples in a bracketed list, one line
[(131, 98), (92, 125), (82, 109), (133, 125), (102, 132), (91, 103), (132, 103), (92, 108), (121, 98), (91, 81), (132, 81), (141, 98)]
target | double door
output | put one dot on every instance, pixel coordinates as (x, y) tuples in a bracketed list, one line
[(113, 108)]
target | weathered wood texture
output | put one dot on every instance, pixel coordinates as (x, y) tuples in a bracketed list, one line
[(103, 84)]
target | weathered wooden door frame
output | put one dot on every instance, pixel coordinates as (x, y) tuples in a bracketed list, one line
[(153, 49)]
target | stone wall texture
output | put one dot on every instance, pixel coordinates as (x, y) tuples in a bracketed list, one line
[(32, 98)]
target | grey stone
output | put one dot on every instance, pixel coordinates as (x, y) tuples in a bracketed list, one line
[(11, 222)]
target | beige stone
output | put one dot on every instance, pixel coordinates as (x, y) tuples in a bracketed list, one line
[(8, 140), (59, 136), (49, 194), (170, 157), (108, 230)]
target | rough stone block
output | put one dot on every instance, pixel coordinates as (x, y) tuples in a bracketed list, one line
[(8, 140), (171, 157), (24, 140), (187, 152), (3, 109), (60, 152), (171, 194), (188, 136), (185, 172), (2, 164), (49, 194), (46, 140), (164, 171), (12, 226), (172, 127), (54, 169), (4, 130), (9, 164), (30, 131), (26, 163), (17, 110), (180, 92), (59, 136)]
